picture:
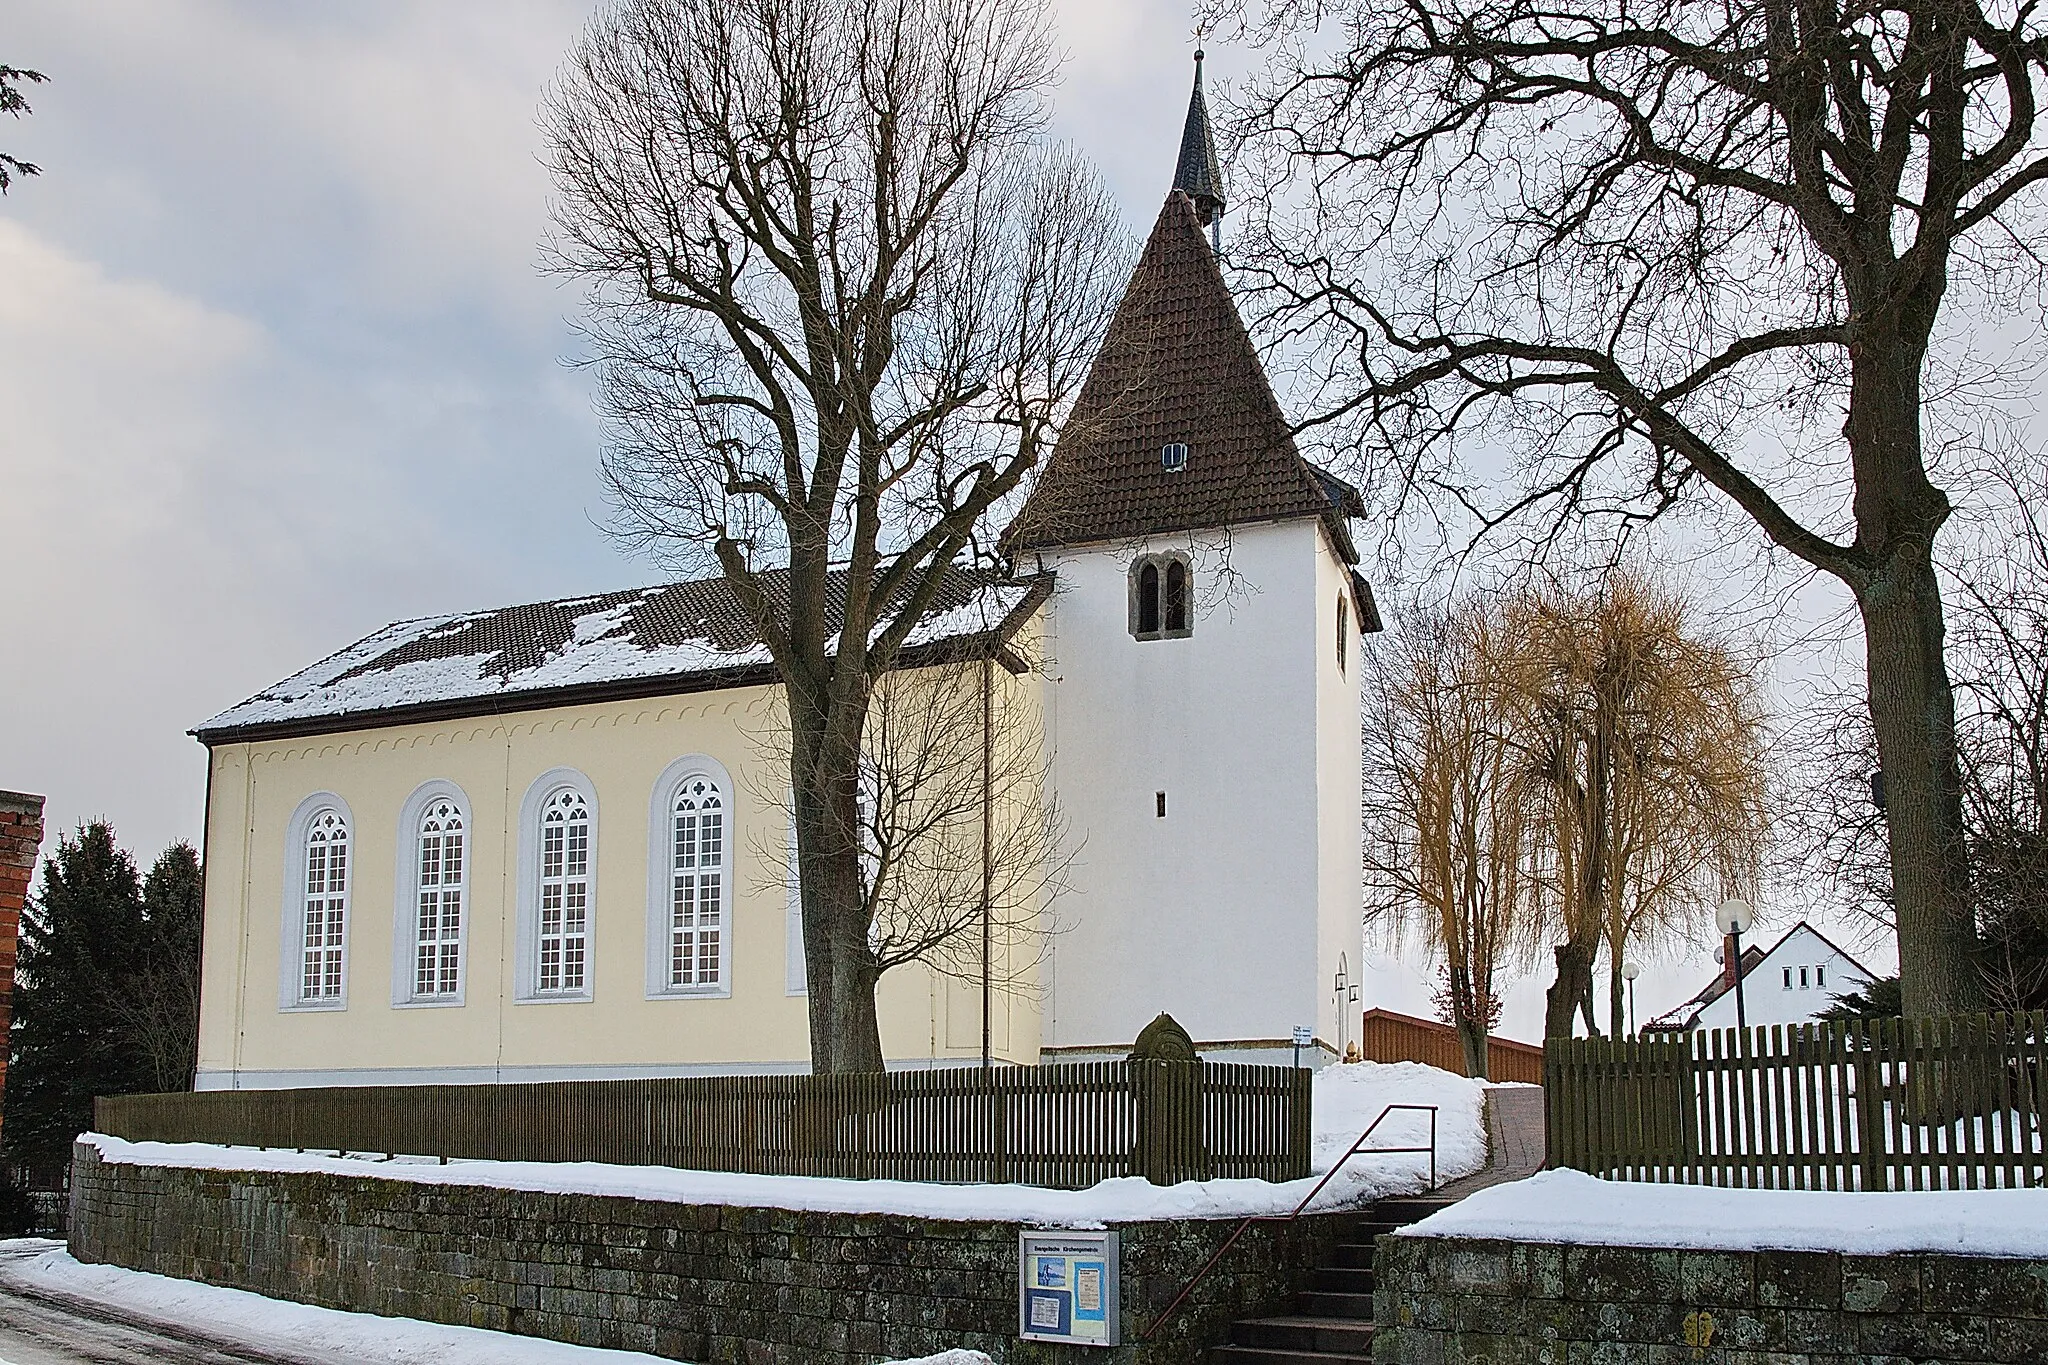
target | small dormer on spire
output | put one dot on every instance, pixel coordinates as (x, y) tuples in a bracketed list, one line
[(1198, 175)]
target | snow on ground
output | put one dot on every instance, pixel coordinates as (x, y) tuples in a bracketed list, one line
[(1347, 1099), (1570, 1206), (953, 1357), (280, 1327)]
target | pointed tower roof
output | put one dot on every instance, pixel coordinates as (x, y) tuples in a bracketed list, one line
[(1177, 368), (1197, 174)]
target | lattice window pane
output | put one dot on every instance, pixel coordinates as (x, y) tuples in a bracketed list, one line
[(324, 910), (438, 927), (564, 892), (696, 907)]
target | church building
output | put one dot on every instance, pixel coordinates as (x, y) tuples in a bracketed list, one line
[(545, 842)]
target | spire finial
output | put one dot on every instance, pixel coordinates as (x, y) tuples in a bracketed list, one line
[(1197, 173)]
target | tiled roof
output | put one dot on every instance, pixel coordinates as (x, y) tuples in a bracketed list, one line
[(1177, 367), (1683, 1016), (676, 637)]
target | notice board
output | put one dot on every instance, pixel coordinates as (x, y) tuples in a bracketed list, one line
[(1067, 1287)]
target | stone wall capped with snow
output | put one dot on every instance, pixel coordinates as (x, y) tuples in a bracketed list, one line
[(713, 1284), (1453, 1300)]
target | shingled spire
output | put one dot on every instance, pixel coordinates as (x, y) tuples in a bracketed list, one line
[(1196, 174), (1177, 373)]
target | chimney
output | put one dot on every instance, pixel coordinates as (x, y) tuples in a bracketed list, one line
[(21, 834)]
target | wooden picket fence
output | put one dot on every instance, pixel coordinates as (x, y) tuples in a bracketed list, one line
[(1885, 1104), (1064, 1127)]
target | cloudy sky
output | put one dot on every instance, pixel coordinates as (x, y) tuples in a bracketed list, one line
[(277, 365)]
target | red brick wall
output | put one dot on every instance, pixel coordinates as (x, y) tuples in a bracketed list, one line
[(21, 833)]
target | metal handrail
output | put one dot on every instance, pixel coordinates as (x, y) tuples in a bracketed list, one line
[(1335, 1166)]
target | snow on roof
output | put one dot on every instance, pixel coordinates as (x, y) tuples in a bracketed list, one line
[(690, 636)]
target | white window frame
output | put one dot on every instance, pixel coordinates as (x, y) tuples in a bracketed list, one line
[(292, 946), (406, 898), (661, 876), (526, 960)]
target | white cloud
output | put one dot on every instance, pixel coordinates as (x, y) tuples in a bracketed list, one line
[(111, 391)]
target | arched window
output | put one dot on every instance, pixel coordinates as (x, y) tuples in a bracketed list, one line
[(323, 932), (689, 879), (1343, 630), (1176, 595), (562, 938), (441, 860), (696, 927), (1162, 597)]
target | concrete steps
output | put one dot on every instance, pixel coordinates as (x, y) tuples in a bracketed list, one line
[(1332, 1319)]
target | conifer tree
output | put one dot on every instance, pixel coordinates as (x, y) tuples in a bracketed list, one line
[(96, 943), (161, 1005)]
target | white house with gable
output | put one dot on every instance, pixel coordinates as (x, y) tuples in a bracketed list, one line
[(1790, 982)]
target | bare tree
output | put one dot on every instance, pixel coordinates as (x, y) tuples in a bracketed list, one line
[(963, 847), (1664, 248), (1648, 740), (1447, 808), (843, 295), (1998, 642)]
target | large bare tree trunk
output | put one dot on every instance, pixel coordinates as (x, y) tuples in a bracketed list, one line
[(1912, 705), (846, 1034), (1571, 992)]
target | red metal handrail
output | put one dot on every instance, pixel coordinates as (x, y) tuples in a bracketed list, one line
[(1335, 1166)]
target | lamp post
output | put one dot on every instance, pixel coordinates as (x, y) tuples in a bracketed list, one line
[(1733, 917), (1339, 988), (1629, 972)]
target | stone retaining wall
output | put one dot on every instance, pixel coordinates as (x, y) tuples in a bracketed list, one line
[(711, 1284), (1458, 1301)]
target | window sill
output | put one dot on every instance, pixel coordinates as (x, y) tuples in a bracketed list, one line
[(691, 993), (430, 1002), (334, 1006), (1162, 634), (554, 998)]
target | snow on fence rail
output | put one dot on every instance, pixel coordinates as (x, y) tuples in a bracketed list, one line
[(1062, 1127), (1948, 1103)]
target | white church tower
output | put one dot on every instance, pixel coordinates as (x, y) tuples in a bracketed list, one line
[(1203, 645)]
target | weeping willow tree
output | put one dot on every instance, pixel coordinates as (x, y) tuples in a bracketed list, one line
[(1648, 748), (1449, 796)]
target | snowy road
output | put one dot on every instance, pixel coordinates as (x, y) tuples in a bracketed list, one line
[(54, 1311), (40, 1331)]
